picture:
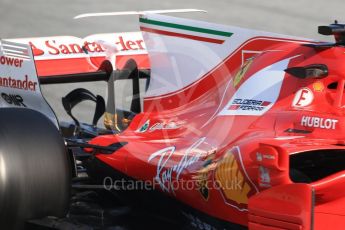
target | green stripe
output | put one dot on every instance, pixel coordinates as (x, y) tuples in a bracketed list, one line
[(184, 27)]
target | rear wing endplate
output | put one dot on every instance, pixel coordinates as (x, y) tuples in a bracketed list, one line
[(19, 85)]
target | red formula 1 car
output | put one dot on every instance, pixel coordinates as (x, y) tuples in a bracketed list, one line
[(236, 129)]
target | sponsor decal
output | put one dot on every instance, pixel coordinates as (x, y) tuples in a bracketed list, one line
[(318, 122), (202, 175), (11, 61), (144, 127), (18, 79), (260, 157), (13, 99), (63, 47), (13, 83), (36, 51), (243, 70), (184, 31), (248, 105), (230, 170), (159, 126), (52, 47), (165, 126), (55, 49), (265, 178), (303, 97), (318, 86), (258, 93), (169, 170)]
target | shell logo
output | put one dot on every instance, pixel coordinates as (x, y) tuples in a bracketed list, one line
[(233, 181)]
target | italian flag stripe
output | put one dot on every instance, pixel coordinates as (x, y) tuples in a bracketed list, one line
[(184, 27), (178, 30), (188, 36)]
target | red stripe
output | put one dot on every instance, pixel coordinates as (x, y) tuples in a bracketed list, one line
[(188, 36), (70, 65)]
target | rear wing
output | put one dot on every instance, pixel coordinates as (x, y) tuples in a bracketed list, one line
[(19, 85), (68, 55), (99, 57)]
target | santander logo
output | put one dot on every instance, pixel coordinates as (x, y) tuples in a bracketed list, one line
[(56, 47), (52, 47), (35, 50)]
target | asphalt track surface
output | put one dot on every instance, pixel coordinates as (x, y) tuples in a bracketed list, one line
[(38, 18)]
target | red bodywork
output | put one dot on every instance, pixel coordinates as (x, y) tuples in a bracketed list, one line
[(212, 158), (237, 167)]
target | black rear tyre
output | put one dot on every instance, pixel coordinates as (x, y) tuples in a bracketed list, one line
[(34, 168)]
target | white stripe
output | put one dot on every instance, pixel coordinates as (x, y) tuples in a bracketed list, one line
[(15, 51), (87, 15), (13, 44), (8, 54), (14, 47), (288, 137)]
